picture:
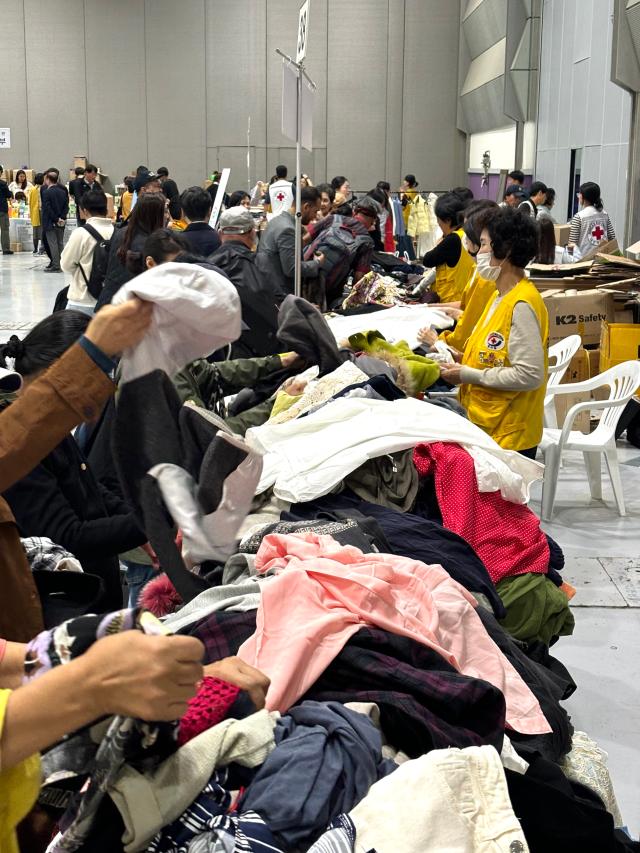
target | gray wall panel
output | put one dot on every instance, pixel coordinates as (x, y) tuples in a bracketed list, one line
[(432, 147), (116, 86), (13, 101), (580, 107), (357, 91), (57, 102), (152, 81), (176, 105)]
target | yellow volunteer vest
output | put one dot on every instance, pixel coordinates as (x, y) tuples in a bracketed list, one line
[(513, 419), (474, 300), (451, 281)]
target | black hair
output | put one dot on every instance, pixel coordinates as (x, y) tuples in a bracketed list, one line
[(159, 245), (46, 342), (309, 195), (53, 169), (328, 189), (464, 194), (590, 192), (477, 205), (380, 196), (384, 185), (281, 172), (514, 235), (546, 241), (38, 179), (20, 195), (128, 182), (91, 168), (344, 209), (53, 174), (448, 208), (79, 170), (338, 181), (411, 180), (141, 169), (196, 204), (146, 217), (24, 182), (551, 196), (162, 172), (188, 256), (516, 175), (537, 187), (94, 202), (236, 198)]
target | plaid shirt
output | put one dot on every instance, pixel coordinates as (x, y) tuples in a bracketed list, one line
[(424, 702)]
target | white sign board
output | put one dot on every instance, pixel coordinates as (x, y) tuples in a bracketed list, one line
[(290, 106), (5, 137), (308, 96), (303, 31), (217, 204)]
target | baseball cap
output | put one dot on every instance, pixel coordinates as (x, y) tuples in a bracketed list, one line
[(143, 179), (516, 190), (236, 220), (369, 206)]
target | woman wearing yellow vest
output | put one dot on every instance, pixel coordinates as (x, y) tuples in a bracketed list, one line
[(503, 369), (477, 292), (454, 265)]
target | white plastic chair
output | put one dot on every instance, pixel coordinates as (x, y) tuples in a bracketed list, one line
[(563, 352), (622, 380)]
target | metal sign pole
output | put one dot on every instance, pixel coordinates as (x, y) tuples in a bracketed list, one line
[(298, 267)]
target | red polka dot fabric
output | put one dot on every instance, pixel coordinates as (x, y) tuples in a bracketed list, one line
[(506, 536), (208, 707)]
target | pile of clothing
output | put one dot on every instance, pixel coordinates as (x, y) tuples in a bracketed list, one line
[(373, 553)]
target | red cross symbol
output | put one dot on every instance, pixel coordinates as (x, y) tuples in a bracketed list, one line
[(280, 196), (598, 233)]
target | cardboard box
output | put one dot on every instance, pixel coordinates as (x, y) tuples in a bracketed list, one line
[(581, 314), (594, 369), (110, 207), (562, 234), (578, 371), (80, 160), (619, 342)]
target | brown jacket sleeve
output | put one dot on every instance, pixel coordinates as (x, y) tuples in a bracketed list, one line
[(69, 392)]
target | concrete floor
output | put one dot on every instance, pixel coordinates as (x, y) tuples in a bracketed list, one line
[(603, 563)]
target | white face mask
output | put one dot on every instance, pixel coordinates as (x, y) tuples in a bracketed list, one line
[(483, 260)]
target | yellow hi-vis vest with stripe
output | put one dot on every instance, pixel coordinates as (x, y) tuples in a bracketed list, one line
[(514, 419), (451, 281)]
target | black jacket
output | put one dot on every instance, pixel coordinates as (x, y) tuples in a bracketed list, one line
[(62, 499), (117, 273), (55, 205), (258, 298), (171, 191), (5, 195), (203, 238)]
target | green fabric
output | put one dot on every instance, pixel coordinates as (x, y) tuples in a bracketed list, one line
[(283, 402), (536, 608), (256, 416), (201, 381), (421, 372)]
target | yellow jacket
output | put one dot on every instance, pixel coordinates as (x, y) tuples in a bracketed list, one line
[(19, 788), (514, 419), (34, 206)]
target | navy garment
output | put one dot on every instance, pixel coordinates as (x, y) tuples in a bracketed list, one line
[(326, 759), (424, 702), (548, 680), (410, 536)]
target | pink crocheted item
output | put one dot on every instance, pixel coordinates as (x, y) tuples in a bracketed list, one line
[(208, 707)]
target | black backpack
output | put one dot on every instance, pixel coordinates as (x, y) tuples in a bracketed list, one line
[(95, 281)]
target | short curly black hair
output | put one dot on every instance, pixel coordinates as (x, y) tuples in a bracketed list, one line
[(514, 235)]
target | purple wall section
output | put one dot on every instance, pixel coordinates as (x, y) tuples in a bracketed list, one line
[(474, 182)]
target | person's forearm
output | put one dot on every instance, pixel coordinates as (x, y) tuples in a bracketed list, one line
[(43, 711), (12, 665), (71, 391)]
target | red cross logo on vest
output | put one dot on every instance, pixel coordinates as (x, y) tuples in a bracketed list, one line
[(598, 233), (280, 196)]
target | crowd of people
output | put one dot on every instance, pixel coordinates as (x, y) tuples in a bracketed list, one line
[(324, 606)]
